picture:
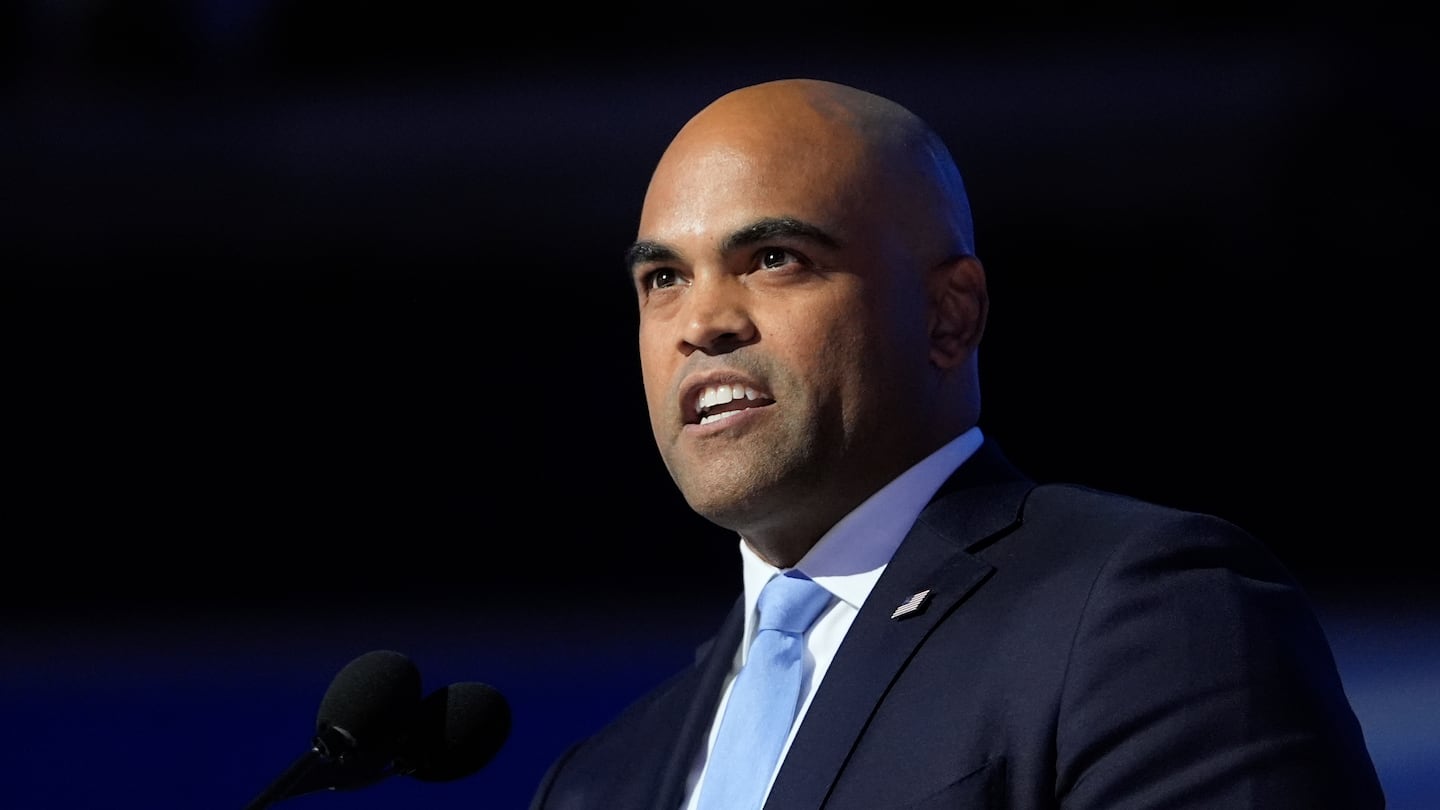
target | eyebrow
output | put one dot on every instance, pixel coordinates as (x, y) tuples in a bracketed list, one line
[(759, 231)]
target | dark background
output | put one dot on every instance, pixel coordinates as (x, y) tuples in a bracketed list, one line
[(318, 341)]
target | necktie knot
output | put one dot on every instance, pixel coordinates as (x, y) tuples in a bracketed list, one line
[(790, 602)]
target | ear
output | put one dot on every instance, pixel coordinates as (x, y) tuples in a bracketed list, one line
[(959, 305)]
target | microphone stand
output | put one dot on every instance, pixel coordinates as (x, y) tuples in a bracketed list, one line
[(288, 779), (332, 762)]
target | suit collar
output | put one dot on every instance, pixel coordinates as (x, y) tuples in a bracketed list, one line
[(978, 502)]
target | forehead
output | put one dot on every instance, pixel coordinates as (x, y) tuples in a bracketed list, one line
[(715, 179)]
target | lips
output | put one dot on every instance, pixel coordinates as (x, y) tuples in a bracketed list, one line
[(711, 401)]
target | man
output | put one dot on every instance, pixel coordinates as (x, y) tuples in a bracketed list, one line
[(811, 307)]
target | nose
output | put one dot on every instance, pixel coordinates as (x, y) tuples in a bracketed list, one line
[(717, 316)]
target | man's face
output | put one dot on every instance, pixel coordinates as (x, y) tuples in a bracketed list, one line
[(781, 331)]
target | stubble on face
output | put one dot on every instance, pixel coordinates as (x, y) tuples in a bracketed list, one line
[(823, 353), (761, 478)]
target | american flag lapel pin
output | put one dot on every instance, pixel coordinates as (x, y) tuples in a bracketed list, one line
[(912, 605)]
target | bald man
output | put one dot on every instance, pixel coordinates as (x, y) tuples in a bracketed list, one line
[(810, 313)]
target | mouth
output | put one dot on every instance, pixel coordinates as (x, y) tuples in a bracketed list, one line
[(717, 402)]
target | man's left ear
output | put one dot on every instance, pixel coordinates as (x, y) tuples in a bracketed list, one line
[(959, 305)]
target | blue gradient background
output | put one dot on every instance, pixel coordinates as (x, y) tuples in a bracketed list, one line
[(318, 342)]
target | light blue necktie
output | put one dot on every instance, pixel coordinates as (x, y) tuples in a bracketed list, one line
[(765, 697)]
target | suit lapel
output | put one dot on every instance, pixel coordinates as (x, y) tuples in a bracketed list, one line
[(713, 661), (980, 500)]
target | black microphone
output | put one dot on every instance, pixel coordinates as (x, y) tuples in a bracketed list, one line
[(453, 733), (366, 710), (457, 730)]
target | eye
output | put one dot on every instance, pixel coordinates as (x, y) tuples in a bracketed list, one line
[(660, 279), (773, 258)]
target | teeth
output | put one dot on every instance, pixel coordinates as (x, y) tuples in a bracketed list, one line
[(721, 394), (716, 417)]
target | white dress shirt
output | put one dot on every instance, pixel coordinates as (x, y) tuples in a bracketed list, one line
[(847, 561)]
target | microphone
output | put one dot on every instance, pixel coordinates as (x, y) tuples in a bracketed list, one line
[(365, 711), (457, 730), (372, 725), (454, 732)]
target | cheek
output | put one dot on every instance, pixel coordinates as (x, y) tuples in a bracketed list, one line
[(870, 357), (848, 363), (830, 353), (655, 373)]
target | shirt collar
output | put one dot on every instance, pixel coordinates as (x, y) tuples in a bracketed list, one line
[(850, 558)]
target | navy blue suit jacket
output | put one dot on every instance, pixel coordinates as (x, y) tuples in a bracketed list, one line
[(1079, 649)]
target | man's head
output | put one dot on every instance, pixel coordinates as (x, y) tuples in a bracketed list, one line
[(810, 306)]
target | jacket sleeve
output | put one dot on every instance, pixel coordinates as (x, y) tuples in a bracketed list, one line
[(1199, 677)]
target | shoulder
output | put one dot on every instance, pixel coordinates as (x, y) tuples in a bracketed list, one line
[(1095, 550), (1118, 538), (1077, 501), (1114, 520), (1186, 626)]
